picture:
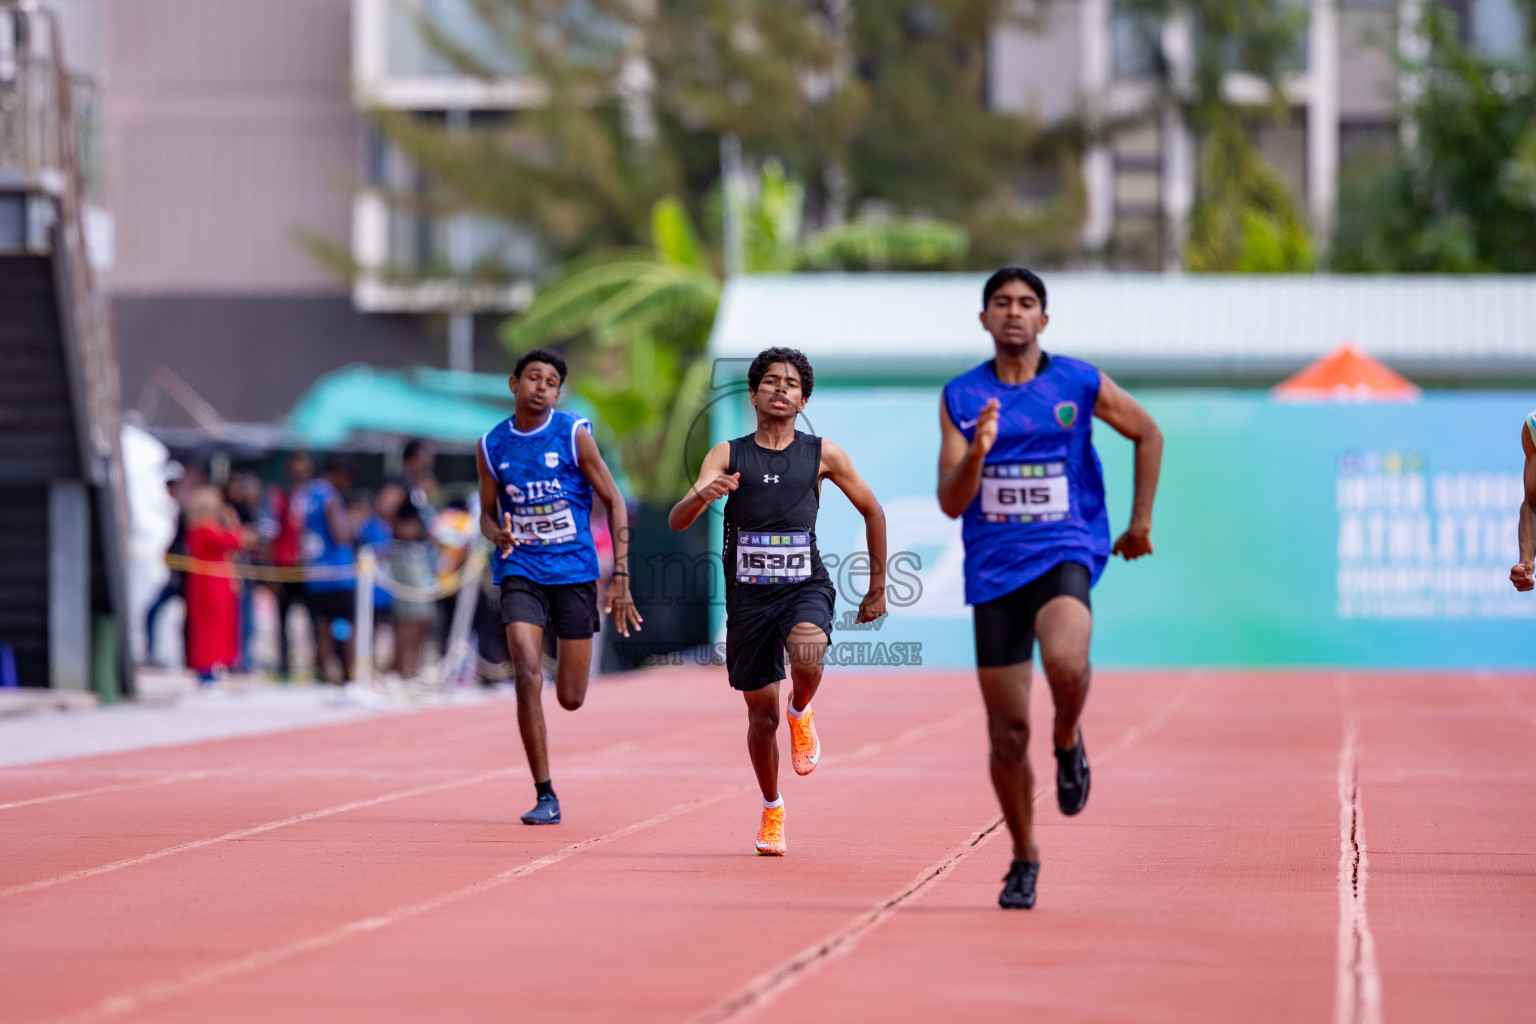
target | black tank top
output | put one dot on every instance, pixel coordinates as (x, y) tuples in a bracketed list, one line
[(770, 519)]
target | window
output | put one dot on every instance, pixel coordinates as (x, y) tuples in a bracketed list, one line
[(1135, 43)]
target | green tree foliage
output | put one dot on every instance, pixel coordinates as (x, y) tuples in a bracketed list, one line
[(877, 104), (1460, 194), (1245, 221), (640, 316), (928, 142)]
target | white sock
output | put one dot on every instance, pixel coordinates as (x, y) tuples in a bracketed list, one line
[(778, 802), (792, 712)]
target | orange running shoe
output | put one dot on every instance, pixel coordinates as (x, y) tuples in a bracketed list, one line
[(804, 744), (770, 836)]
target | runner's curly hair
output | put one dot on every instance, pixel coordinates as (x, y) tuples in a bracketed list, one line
[(793, 356), (541, 355)]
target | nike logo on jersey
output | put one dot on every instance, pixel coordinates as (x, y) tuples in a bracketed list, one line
[(968, 424), (770, 478)]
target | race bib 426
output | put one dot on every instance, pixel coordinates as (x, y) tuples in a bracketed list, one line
[(1025, 492), (543, 524), (773, 557)]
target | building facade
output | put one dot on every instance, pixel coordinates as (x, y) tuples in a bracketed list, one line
[(257, 242), (1096, 60)]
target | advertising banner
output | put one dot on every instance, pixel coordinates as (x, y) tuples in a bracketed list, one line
[(1306, 534)]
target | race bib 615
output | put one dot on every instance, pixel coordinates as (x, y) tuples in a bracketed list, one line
[(1025, 492)]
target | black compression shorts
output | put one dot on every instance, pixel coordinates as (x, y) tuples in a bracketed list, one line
[(1005, 626), (570, 608), (757, 628)]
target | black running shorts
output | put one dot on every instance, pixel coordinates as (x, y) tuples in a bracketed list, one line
[(1005, 626), (758, 626), (570, 608), (332, 604)]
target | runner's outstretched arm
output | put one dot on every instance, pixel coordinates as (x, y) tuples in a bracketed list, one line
[(500, 533), (714, 482), (1126, 415), (1523, 575), (960, 461), (838, 467), (618, 601)]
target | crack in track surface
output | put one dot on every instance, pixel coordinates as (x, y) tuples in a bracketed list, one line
[(1357, 998)]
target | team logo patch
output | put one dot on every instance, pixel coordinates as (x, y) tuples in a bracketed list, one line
[(1066, 414), (551, 459)]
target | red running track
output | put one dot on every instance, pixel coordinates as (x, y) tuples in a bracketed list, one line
[(1259, 847)]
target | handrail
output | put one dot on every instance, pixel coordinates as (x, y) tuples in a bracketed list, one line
[(39, 145)]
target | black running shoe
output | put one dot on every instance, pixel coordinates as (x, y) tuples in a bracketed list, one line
[(1019, 885), (1072, 778), (545, 812)]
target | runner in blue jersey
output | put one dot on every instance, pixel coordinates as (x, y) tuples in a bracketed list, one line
[(539, 470), (1017, 463), (1523, 575)]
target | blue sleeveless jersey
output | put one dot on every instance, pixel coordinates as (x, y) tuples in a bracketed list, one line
[(1041, 501), (320, 546), (540, 484)]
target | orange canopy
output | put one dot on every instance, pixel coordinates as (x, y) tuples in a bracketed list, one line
[(1347, 374)]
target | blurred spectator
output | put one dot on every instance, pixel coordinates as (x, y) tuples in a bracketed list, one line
[(282, 532), (452, 531), (175, 584), (213, 609), (328, 546), (242, 492), (410, 563), (371, 529), (416, 479)]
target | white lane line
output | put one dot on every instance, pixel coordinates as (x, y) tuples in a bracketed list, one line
[(324, 812), (1357, 992), (129, 1002), (1500, 689), (761, 990), (211, 773), (160, 991)]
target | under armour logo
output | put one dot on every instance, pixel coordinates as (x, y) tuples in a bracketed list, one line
[(770, 478)]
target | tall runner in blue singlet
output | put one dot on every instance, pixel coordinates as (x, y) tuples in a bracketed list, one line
[(1523, 575), (539, 470), (778, 595), (1016, 461)]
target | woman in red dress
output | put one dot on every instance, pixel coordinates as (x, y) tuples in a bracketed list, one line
[(213, 604)]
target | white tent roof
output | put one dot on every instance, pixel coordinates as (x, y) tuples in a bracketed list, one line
[(1464, 327)]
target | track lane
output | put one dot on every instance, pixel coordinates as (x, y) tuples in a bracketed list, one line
[(279, 884), (1198, 885), (1448, 783), (1201, 884)]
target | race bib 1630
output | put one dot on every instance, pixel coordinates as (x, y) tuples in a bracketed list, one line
[(773, 557)]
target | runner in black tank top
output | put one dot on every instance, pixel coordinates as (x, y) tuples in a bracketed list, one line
[(777, 593), (770, 520)]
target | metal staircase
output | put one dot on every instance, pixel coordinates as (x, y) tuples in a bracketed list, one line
[(63, 508)]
